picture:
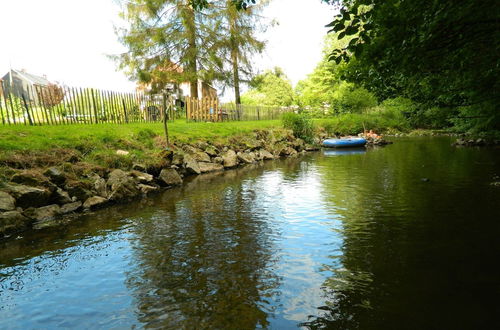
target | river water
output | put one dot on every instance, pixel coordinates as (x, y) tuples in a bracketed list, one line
[(400, 237)]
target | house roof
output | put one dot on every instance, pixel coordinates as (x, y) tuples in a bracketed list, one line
[(33, 79)]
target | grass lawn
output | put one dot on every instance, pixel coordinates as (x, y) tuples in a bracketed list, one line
[(37, 138)]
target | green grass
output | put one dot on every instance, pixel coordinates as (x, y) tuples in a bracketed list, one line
[(353, 123), (41, 146), (82, 137)]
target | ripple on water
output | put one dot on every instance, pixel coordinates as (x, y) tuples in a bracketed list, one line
[(341, 241)]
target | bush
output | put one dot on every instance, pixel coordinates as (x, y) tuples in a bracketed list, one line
[(301, 125), (351, 99)]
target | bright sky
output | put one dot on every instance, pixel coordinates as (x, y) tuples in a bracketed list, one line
[(68, 40)]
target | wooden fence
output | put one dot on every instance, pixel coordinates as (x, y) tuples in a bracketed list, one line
[(209, 109), (64, 105), (205, 109)]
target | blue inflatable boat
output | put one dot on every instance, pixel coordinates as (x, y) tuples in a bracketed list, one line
[(344, 143)]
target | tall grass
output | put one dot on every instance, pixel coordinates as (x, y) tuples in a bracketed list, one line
[(301, 125), (380, 119)]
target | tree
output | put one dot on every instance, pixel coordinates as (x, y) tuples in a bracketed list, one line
[(325, 88), (168, 40), (239, 42), (271, 88), (51, 95), (438, 53)]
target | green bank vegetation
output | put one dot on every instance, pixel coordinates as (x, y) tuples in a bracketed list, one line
[(404, 65), (32, 146)]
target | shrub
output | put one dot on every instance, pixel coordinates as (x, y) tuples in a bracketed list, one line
[(301, 125), (351, 99)]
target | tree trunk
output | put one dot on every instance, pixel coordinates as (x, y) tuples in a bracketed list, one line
[(192, 51), (236, 78), (234, 55)]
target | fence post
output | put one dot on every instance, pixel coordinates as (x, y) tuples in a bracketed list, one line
[(258, 113), (124, 110), (95, 107), (165, 117), (12, 108), (4, 92), (27, 109)]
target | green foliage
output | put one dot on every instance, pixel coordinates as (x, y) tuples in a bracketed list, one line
[(237, 41), (271, 88), (167, 40), (325, 88), (440, 54), (14, 105), (301, 125), (351, 99), (354, 123)]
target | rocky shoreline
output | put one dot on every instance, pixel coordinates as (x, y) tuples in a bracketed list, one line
[(35, 197)]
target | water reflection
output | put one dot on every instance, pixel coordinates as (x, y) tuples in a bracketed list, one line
[(206, 259), (414, 252), (343, 152), (356, 241)]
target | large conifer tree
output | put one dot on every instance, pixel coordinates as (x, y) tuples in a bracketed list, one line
[(168, 40)]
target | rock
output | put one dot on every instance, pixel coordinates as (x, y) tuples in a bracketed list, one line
[(266, 155), (55, 175), (100, 186), (191, 165), (246, 157), (122, 152), (288, 151), (298, 144), (60, 197), (230, 159), (28, 179), (94, 202), (12, 221), (146, 189), (218, 160), (124, 191), (142, 177), (7, 202), (117, 177), (210, 167), (70, 207), (201, 156), (170, 177), (77, 189), (26, 196), (190, 149), (177, 159), (139, 167), (33, 179), (310, 147), (211, 151), (202, 145), (45, 213)]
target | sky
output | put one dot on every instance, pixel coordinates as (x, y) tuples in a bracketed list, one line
[(69, 40)]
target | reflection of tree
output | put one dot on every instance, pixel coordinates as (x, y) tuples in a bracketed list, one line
[(205, 259), (413, 251)]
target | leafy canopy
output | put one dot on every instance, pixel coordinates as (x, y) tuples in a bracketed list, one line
[(441, 53), (271, 88)]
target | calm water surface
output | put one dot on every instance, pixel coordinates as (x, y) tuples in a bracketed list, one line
[(352, 240)]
